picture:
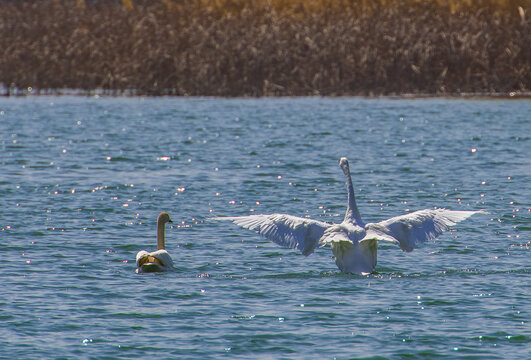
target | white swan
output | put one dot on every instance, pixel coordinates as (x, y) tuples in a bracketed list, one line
[(158, 260), (353, 242)]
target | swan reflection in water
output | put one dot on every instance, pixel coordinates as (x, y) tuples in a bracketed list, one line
[(353, 242)]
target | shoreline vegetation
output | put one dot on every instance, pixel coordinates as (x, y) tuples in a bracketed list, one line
[(266, 47)]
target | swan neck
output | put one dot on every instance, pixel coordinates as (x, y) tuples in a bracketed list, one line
[(161, 245), (352, 209)]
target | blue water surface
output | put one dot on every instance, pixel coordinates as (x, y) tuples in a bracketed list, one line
[(82, 181)]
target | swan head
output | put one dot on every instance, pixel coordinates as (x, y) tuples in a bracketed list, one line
[(163, 218), (343, 163)]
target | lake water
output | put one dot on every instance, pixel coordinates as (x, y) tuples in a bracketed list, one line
[(82, 181)]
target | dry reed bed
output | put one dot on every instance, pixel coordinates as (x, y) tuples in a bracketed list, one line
[(263, 48)]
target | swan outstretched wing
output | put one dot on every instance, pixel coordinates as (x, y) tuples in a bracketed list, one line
[(417, 227), (286, 230)]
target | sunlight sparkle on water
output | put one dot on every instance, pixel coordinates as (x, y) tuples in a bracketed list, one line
[(70, 207)]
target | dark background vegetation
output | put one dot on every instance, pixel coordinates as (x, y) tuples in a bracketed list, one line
[(266, 47)]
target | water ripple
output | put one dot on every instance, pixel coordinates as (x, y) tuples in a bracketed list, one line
[(84, 178)]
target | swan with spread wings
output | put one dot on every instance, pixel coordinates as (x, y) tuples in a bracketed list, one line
[(353, 242)]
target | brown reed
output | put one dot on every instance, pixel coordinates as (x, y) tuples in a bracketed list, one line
[(266, 47)]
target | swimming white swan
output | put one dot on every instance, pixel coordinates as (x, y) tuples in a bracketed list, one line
[(354, 243), (158, 260)]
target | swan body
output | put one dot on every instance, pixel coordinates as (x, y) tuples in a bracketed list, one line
[(160, 260), (353, 242)]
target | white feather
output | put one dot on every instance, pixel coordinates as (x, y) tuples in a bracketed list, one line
[(166, 262), (286, 230), (412, 229)]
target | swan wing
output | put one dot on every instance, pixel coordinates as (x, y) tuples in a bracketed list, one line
[(285, 230), (141, 254), (410, 230), (162, 256)]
